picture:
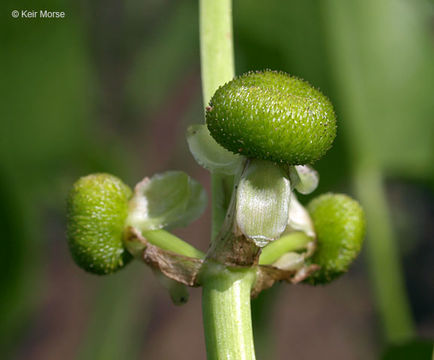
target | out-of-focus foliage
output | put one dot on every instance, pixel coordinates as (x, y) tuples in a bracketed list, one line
[(163, 55), (414, 350), (50, 91), (383, 60), (45, 105)]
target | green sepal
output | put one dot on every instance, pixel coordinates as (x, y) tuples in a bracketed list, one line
[(96, 210), (262, 205), (168, 200), (339, 223), (209, 154), (272, 116)]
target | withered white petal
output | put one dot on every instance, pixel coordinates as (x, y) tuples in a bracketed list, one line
[(299, 218), (304, 178)]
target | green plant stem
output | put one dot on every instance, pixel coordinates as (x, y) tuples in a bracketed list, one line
[(226, 293), (226, 312), (167, 241), (218, 196), (292, 242), (216, 45), (217, 67)]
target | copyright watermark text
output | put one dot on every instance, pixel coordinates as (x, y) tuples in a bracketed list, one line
[(35, 14)]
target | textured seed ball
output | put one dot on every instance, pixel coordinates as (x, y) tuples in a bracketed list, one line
[(339, 223), (97, 210), (272, 116)]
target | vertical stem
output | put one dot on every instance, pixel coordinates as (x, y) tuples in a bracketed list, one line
[(383, 258), (227, 314), (216, 45), (112, 331), (226, 293), (218, 196), (217, 67)]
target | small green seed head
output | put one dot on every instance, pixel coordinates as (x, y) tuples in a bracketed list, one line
[(272, 116), (339, 223), (97, 210)]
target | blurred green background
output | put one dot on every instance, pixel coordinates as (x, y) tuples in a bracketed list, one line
[(112, 88)]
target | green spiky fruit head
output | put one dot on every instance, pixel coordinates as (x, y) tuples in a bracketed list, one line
[(97, 210), (272, 116), (339, 223)]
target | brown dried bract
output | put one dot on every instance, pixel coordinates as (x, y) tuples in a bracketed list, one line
[(177, 267), (267, 275)]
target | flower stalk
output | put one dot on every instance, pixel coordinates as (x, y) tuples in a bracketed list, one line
[(226, 293), (226, 312), (217, 68)]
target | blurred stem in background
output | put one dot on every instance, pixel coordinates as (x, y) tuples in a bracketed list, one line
[(115, 330), (263, 327), (383, 256)]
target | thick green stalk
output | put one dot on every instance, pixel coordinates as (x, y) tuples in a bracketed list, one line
[(226, 293), (217, 68), (226, 313), (216, 45)]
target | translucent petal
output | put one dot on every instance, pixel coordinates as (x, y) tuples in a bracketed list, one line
[(195, 206), (263, 197), (299, 218), (290, 261), (209, 154), (304, 178), (167, 200)]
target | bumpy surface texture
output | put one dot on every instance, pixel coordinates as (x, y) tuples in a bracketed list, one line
[(339, 222), (272, 116), (97, 210)]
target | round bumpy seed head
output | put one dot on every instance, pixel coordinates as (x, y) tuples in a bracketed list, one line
[(339, 223), (272, 116), (97, 210)]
